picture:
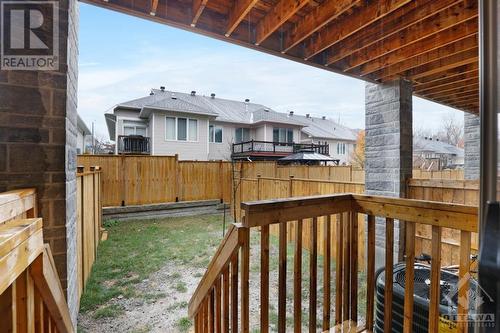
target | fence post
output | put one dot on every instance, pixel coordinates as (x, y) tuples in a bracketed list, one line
[(258, 187), (177, 178), (122, 180)]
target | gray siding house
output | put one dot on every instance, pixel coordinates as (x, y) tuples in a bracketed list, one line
[(210, 128)]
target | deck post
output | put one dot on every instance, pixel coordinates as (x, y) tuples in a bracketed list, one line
[(471, 146), (389, 147)]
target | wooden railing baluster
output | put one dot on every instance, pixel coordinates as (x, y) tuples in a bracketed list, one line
[(205, 315), (464, 278), (338, 269), (244, 283), (234, 292), (297, 279), (282, 278), (346, 269), (389, 268), (211, 311), (218, 316), (370, 273), (264, 279), (354, 268), (409, 276), (313, 273), (435, 279), (326, 272), (225, 300)]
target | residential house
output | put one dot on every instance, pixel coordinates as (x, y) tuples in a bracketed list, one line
[(432, 154), (84, 137), (200, 127)]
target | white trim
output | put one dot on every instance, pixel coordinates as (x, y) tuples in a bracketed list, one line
[(265, 132), (152, 124), (208, 140)]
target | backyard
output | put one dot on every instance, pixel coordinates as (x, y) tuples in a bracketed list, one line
[(147, 271)]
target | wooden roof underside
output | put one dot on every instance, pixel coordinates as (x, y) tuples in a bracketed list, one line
[(433, 43)]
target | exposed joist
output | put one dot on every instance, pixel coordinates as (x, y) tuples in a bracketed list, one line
[(447, 83), (399, 69), (459, 91), (441, 21), (240, 9), (411, 14), (315, 20), (446, 43), (452, 87), (461, 100), (198, 7), (441, 65), (276, 17), (450, 73), (445, 80), (154, 6), (347, 25), (458, 96)]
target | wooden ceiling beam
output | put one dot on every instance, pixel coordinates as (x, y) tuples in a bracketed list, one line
[(458, 96), (154, 6), (443, 20), (459, 91), (462, 100), (449, 79), (454, 81), (315, 20), (240, 10), (276, 17), (198, 8), (450, 73), (413, 13), (442, 65), (347, 25), (399, 68), (450, 87), (451, 41)]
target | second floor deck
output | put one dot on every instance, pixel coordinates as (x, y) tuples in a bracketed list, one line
[(269, 150)]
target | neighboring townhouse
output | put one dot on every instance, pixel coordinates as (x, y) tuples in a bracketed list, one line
[(208, 128), (83, 137), (432, 154)]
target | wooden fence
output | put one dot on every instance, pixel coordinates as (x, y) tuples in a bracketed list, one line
[(464, 192), (89, 219), (265, 188), (443, 174)]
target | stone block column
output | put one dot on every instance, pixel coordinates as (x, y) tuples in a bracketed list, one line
[(389, 146), (38, 145), (471, 146)]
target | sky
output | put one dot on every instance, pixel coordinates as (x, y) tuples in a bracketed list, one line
[(122, 57)]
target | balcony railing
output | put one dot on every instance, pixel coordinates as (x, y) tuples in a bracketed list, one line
[(279, 149), (134, 144), (223, 298)]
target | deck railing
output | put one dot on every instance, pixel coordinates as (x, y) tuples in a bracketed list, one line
[(222, 299), (277, 148), (134, 144), (31, 296)]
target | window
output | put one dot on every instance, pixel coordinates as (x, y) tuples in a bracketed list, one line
[(181, 129), (193, 130), (215, 134), (282, 135), (340, 148), (170, 128), (242, 135), (134, 128)]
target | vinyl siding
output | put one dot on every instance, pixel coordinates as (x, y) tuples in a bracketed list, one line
[(186, 150)]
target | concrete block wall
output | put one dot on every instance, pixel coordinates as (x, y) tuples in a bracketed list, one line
[(38, 145), (389, 147), (471, 146)]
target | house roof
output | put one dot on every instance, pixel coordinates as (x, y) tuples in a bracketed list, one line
[(324, 128), (231, 111), (423, 144), (307, 156), (82, 127)]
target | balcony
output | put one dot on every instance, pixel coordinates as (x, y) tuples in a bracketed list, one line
[(225, 296), (134, 144), (269, 150)]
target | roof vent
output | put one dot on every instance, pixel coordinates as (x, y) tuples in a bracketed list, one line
[(266, 110), (437, 139), (308, 115), (291, 113), (151, 93), (425, 138), (430, 138), (324, 117), (212, 95), (162, 88), (247, 100), (173, 96), (193, 93)]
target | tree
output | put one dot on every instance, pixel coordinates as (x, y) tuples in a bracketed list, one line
[(358, 155), (451, 131)]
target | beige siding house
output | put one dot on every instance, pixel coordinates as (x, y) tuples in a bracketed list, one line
[(206, 127)]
